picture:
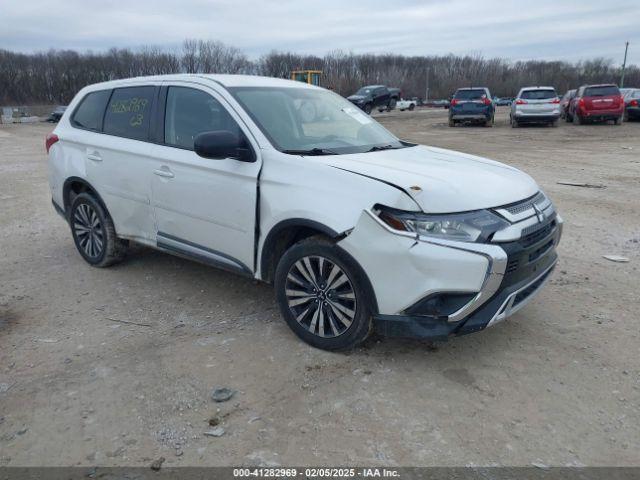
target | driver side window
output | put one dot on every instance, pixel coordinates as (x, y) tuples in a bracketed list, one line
[(190, 112)]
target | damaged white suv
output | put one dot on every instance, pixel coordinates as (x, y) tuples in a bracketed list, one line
[(291, 184)]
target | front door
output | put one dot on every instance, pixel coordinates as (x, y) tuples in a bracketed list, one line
[(204, 208)]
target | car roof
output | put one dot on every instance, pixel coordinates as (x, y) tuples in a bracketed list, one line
[(226, 80), (601, 85), (527, 89), (472, 88)]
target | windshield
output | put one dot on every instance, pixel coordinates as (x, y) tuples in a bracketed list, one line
[(601, 91), (305, 119), (538, 94), (364, 91), (470, 94)]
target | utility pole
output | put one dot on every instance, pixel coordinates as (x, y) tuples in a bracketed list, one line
[(426, 86), (624, 63)]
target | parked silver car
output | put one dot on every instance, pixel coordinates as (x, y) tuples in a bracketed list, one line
[(535, 105)]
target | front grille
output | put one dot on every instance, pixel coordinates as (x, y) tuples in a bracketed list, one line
[(537, 232), (536, 254), (526, 204)]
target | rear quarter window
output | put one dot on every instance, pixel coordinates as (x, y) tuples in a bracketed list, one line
[(601, 91), (538, 94), (129, 112), (89, 113)]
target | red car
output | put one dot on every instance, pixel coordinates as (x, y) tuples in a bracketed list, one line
[(597, 103)]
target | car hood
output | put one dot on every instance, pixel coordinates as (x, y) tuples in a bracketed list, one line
[(355, 98), (439, 180)]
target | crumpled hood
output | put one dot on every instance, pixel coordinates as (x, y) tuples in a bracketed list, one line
[(447, 181)]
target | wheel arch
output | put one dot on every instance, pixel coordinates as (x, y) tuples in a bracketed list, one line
[(282, 236), (289, 232), (77, 185)]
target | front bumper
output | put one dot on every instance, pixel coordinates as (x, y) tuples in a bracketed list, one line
[(498, 278)]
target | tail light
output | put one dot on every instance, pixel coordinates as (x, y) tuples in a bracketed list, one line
[(454, 102), (486, 101), (581, 102), (520, 102), (555, 100), (633, 103), (50, 140)]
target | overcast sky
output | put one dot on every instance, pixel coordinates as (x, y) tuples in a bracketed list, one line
[(541, 29)]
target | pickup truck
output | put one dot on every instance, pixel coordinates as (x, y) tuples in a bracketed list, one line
[(375, 96), (403, 105)]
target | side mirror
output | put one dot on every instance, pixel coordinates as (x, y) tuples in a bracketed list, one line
[(223, 144)]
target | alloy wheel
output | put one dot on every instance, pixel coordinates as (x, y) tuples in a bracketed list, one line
[(320, 296), (88, 230)]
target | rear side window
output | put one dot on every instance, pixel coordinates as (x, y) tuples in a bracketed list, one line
[(601, 91), (91, 110), (478, 94), (190, 112), (129, 112), (538, 94)]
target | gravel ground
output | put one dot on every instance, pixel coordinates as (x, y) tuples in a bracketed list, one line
[(557, 384)]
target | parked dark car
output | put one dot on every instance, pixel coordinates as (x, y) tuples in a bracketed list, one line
[(504, 101), (375, 96), (472, 104), (56, 115), (564, 104), (632, 104), (597, 103)]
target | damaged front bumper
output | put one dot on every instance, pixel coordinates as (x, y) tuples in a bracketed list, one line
[(498, 279)]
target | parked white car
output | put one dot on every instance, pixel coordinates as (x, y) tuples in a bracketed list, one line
[(403, 105), (291, 184), (535, 105)]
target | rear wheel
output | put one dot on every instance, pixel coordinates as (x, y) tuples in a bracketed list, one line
[(367, 108), (94, 233), (568, 118), (412, 107), (514, 123), (618, 121), (323, 295), (452, 122), (489, 122), (577, 120)]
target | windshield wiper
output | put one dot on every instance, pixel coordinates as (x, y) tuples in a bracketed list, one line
[(312, 151), (377, 148)]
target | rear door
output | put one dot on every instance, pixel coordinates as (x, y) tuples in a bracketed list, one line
[(382, 97), (541, 101), (204, 208), (118, 160), (600, 98)]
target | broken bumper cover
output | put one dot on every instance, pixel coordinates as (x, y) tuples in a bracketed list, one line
[(504, 303)]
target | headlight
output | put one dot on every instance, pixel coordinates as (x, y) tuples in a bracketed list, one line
[(476, 226)]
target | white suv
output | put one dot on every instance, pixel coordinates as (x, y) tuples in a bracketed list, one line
[(291, 184)]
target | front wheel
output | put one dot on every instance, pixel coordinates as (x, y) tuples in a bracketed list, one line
[(412, 107), (94, 233), (323, 295)]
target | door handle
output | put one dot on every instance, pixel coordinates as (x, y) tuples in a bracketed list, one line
[(164, 172), (94, 155)]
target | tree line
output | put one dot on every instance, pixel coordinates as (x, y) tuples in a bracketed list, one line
[(55, 76)]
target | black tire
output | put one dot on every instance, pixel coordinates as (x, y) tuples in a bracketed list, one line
[(489, 122), (619, 120), (568, 118), (318, 315), (93, 232), (411, 107), (367, 109), (514, 123), (452, 122), (577, 120)]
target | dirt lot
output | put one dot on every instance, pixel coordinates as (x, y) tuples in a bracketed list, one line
[(557, 384)]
